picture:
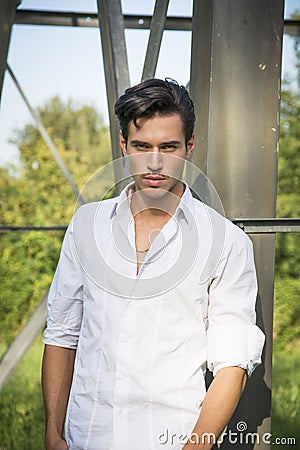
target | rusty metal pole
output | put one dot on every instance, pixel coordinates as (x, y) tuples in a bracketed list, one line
[(235, 83)]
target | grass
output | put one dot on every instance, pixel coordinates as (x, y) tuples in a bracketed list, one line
[(286, 392), (21, 406), (22, 413)]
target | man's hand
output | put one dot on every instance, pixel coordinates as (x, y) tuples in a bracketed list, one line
[(60, 444)]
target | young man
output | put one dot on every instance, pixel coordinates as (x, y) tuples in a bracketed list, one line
[(152, 287)]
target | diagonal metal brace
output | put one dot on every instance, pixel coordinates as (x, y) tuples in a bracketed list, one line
[(155, 37), (47, 138), (111, 22), (23, 341)]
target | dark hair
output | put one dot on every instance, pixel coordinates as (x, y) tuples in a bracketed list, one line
[(155, 97)]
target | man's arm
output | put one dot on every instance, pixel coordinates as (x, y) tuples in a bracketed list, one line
[(218, 406), (57, 373)]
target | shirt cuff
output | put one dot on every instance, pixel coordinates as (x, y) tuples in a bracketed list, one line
[(63, 322), (234, 345), (61, 338)]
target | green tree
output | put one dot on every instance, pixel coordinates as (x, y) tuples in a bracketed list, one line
[(288, 195), (288, 199), (287, 292)]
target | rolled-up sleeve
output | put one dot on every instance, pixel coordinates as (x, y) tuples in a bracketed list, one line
[(65, 299), (233, 339)]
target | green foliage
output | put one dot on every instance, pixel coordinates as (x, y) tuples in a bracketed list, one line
[(286, 312), (27, 263), (288, 197), (287, 283), (286, 354)]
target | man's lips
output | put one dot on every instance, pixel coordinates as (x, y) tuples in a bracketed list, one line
[(154, 180), (154, 177)]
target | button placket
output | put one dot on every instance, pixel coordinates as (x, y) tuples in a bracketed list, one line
[(123, 358)]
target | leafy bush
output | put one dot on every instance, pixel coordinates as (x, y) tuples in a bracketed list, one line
[(286, 312)]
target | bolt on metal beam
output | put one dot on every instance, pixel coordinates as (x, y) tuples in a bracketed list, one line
[(47, 139), (155, 37)]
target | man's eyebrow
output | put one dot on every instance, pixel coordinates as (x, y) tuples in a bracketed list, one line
[(171, 143), (137, 142)]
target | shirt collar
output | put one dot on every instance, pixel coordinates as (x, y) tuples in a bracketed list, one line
[(122, 202), (185, 208)]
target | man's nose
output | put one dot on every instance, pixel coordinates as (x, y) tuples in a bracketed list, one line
[(154, 161)]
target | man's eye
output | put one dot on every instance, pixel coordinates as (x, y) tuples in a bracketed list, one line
[(142, 147), (168, 148)]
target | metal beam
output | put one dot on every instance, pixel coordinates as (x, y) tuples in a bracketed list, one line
[(48, 141), (292, 27), (235, 84), (7, 17), (131, 21), (116, 70), (199, 85), (23, 341), (90, 20), (155, 37), (265, 226), (21, 228)]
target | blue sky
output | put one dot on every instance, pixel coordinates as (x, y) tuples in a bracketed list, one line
[(67, 61)]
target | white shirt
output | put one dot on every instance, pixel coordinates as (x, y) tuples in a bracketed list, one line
[(145, 341)]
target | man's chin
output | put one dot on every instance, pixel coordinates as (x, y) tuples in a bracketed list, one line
[(157, 198), (153, 192)]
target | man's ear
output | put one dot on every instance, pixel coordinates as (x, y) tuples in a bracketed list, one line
[(123, 143), (190, 147)]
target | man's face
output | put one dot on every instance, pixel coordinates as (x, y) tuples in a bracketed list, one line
[(157, 152)]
